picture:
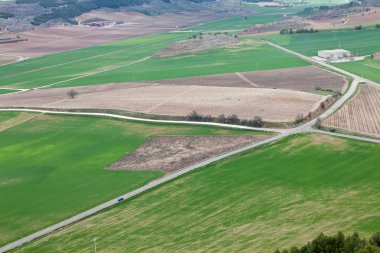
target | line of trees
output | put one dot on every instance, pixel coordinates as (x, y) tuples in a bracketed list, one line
[(230, 119), (301, 30), (338, 243)]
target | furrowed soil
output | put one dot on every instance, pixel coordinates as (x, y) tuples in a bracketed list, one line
[(361, 114)]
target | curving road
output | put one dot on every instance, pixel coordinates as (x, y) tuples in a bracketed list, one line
[(281, 133)]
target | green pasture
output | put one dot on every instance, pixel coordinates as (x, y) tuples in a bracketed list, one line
[(367, 68), (360, 42), (53, 167), (276, 196), (248, 55)]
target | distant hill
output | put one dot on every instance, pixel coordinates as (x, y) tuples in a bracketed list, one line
[(67, 10)]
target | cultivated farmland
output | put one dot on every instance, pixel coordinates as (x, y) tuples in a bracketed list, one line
[(270, 104), (129, 61), (302, 79), (361, 114), (362, 42), (368, 68), (240, 204), (53, 167)]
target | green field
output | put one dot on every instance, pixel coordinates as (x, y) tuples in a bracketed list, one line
[(362, 42), (4, 91), (76, 68), (367, 68), (280, 195), (53, 167)]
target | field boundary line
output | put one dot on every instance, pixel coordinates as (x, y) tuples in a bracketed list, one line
[(94, 73), (245, 79), (61, 64)]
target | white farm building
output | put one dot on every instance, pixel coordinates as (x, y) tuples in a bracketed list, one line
[(334, 55)]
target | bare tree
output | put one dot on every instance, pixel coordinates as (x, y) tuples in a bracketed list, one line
[(72, 93)]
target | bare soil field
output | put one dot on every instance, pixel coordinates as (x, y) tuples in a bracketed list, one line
[(175, 100), (171, 153), (362, 18), (42, 41), (361, 114), (301, 79), (276, 26), (200, 42)]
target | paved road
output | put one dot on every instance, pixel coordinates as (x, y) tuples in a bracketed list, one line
[(282, 133)]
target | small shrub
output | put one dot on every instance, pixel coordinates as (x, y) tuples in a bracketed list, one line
[(72, 93), (299, 118)]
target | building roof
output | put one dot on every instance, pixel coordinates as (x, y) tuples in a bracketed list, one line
[(334, 51)]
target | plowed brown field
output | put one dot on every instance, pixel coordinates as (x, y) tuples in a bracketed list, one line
[(301, 78), (273, 105), (170, 153), (361, 114)]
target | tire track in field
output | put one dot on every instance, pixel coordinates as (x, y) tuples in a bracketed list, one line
[(245, 79), (94, 73), (61, 64)]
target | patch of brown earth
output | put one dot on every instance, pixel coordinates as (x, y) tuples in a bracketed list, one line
[(363, 17), (172, 153), (197, 43), (300, 78)]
